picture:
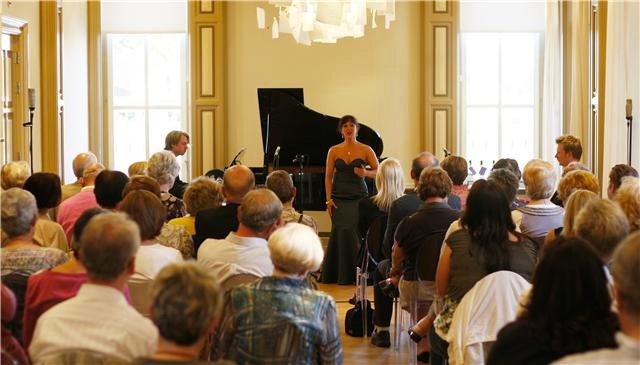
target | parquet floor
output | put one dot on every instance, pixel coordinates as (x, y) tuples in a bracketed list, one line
[(358, 350)]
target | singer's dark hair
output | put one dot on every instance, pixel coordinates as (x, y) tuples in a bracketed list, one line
[(348, 119)]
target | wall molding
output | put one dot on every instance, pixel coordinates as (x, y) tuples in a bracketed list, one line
[(94, 69), (49, 93)]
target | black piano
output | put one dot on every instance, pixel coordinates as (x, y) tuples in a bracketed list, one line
[(304, 137)]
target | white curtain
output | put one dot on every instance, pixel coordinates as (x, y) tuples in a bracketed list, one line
[(622, 82), (552, 82)]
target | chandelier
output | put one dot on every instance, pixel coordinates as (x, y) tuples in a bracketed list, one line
[(325, 21)]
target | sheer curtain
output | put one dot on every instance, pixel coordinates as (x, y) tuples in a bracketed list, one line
[(552, 82), (622, 82)]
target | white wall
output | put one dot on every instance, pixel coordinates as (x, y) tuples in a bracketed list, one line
[(74, 84), (376, 78)]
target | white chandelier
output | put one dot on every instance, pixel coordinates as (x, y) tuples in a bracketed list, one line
[(325, 21)]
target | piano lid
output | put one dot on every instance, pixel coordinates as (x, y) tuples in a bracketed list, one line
[(286, 122)]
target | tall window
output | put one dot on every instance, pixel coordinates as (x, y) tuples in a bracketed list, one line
[(500, 96), (147, 87)]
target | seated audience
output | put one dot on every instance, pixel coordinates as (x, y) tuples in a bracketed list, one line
[(245, 251), (183, 288), (79, 164), (625, 271), (99, 319), (45, 187), (14, 174), (281, 184), (202, 193), (12, 352), (414, 232), (617, 173), (50, 287), (279, 319), (577, 200), (21, 256), (70, 209), (486, 243), (164, 168), (603, 224), (216, 223), (108, 188), (149, 213), (576, 180), (628, 198), (540, 215), (170, 235), (458, 170), (509, 184), (137, 168), (569, 309)]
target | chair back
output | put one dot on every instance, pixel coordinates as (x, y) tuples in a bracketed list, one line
[(17, 282), (429, 255), (483, 311), (140, 291), (238, 279), (370, 252), (74, 357)]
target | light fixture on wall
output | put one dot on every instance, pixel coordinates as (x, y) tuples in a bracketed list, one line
[(325, 21)]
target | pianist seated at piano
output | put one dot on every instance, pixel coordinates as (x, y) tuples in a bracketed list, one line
[(344, 183)]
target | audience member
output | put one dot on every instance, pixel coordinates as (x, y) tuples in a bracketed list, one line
[(137, 168), (509, 164), (177, 142), (458, 170), (186, 306), (14, 174), (245, 251), (170, 235), (99, 319), (50, 287), (540, 215), (576, 180), (626, 271), (279, 319), (164, 167), (12, 352), (628, 198), (569, 150), (618, 172), (149, 213), (569, 309), (21, 256), (423, 230), (45, 187), (70, 209), (281, 184), (603, 224), (218, 222), (79, 164), (202, 193), (509, 184), (108, 188), (486, 243), (577, 200)]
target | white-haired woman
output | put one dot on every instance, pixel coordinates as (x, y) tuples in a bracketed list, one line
[(279, 319), (164, 167)]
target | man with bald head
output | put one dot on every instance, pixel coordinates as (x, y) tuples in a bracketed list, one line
[(70, 210), (245, 251), (218, 222), (80, 162)]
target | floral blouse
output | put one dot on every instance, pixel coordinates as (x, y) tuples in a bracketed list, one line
[(175, 206)]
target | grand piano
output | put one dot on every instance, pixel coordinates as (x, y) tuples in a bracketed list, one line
[(304, 137)]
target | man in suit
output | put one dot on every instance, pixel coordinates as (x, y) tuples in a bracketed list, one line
[(178, 143), (218, 222)]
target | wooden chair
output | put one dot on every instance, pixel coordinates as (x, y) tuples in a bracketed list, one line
[(140, 291), (238, 279)]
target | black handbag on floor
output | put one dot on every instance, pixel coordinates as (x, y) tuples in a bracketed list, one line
[(354, 321)]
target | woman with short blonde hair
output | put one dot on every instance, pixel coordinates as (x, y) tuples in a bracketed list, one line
[(628, 197), (576, 180), (202, 193), (164, 167), (14, 174)]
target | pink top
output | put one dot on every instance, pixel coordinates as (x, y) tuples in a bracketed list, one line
[(46, 289), (461, 191), (70, 209)]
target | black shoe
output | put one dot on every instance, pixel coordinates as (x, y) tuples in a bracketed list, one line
[(415, 336), (381, 339), (423, 357), (387, 288), (352, 300)]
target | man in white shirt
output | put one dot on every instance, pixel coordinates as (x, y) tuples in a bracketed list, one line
[(245, 251), (626, 271), (99, 319)]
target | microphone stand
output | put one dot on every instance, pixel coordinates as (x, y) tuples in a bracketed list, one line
[(276, 159), (629, 139), (29, 125), (266, 146), (300, 159)]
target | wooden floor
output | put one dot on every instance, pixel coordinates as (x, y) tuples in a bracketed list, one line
[(358, 350)]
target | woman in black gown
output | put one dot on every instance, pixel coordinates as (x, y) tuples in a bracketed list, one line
[(344, 183)]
